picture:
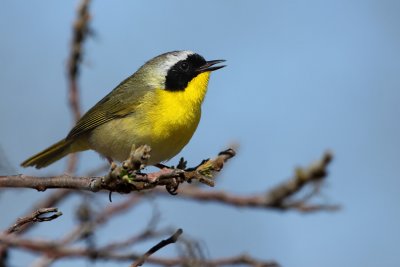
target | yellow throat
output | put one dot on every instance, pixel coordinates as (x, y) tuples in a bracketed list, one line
[(175, 117), (180, 111)]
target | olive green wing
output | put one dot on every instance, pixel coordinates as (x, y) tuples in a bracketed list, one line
[(119, 103)]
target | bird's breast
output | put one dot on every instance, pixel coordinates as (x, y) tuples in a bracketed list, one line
[(166, 121)]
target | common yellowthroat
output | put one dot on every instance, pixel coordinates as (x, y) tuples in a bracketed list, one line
[(159, 105)]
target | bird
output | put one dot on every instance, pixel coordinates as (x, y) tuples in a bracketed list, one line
[(159, 105)]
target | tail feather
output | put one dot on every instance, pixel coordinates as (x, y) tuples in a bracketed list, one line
[(49, 155)]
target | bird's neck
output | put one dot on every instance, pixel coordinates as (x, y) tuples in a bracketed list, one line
[(194, 93), (181, 108), (188, 100)]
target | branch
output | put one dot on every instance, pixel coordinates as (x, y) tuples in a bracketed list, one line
[(56, 251), (240, 260), (160, 245), (85, 228), (81, 30), (37, 216), (279, 198), (122, 179), (49, 201), (316, 172)]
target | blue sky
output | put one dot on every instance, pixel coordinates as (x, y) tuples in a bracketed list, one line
[(302, 77)]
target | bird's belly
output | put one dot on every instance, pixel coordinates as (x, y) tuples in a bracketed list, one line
[(166, 136)]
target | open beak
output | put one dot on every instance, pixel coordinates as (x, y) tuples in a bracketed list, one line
[(209, 66)]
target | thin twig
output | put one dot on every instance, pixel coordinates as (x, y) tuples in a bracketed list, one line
[(37, 216), (81, 30), (278, 198), (56, 251), (260, 200), (51, 200), (22, 225), (157, 247), (85, 227)]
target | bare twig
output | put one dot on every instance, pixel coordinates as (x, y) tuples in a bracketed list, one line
[(279, 198), (315, 173), (252, 201), (37, 216), (144, 235), (49, 201), (85, 227), (56, 251), (157, 247), (122, 180), (18, 227), (81, 30), (241, 260)]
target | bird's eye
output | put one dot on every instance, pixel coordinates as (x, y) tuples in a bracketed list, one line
[(184, 66)]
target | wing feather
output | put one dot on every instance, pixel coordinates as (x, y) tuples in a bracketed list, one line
[(120, 102)]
